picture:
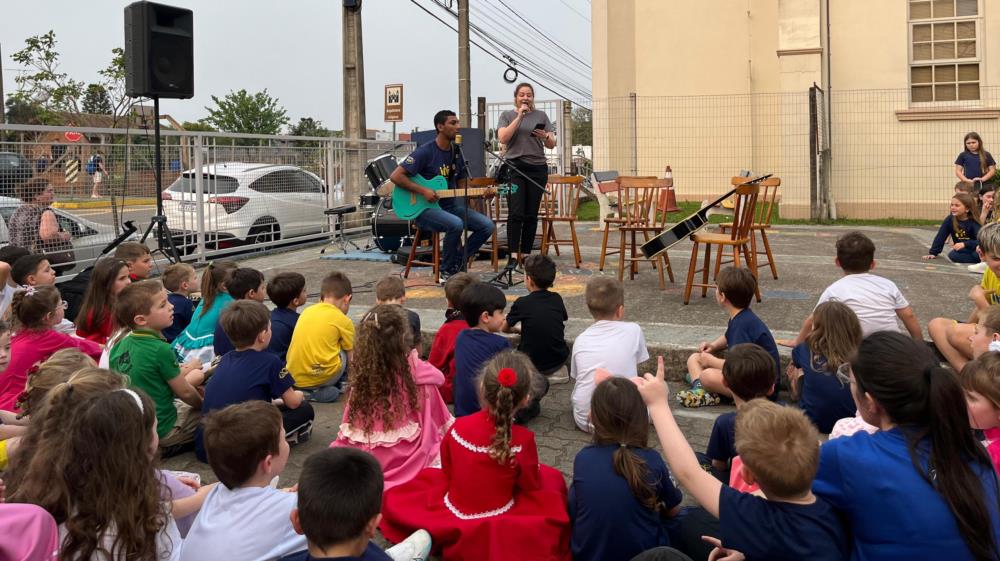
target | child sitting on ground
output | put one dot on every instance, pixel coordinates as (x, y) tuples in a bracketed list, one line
[(394, 409), (392, 290), (962, 226), (245, 518), (981, 381), (491, 500), (339, 509), (9, 254), (442, 354), (34, 270), (736, 288), (179, 279), (244, 284), (250, 373), (151, 365), (321, 345), (36, 311), (610, 344), (140, 261), (780, 451), (287, 292), (621, 487), (197, 341), (96, 319), (482, 306)]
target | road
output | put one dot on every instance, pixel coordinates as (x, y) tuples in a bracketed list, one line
[(140, 215)]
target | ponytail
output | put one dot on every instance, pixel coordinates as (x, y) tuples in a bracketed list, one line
[(212, 280), (633, 469), (503, 415), (31, 305), (506, 382), (619, 417)]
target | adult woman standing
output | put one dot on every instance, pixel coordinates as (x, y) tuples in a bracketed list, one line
[(526, 132), (34, 225)]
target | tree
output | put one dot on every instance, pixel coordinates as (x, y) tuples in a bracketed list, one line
[(257, 113), (96, 100), (308, 126), (194, 126), (53, 91), (583, 126), (23, 112), (113, 82)]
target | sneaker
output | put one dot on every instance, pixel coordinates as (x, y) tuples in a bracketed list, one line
[(697, 397), (977, 268), (687, 378), (417, 547), (558, 376)]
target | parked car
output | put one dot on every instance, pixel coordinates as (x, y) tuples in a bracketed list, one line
[(89, 238), (246, 203), (14, 169)]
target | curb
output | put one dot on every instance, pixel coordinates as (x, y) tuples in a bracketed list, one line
[(104, 203)]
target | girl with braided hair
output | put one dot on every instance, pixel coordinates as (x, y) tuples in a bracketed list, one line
[(491, 499)]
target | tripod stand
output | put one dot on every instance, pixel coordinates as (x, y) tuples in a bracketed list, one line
[(164, 238)]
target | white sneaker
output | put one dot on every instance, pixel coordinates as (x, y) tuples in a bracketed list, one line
[(417, 547), (977, 268)]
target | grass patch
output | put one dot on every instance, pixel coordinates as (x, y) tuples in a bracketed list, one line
[(589, 210)]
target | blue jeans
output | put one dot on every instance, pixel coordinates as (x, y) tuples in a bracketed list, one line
[(448, 219), (963, 256), (330, 391)]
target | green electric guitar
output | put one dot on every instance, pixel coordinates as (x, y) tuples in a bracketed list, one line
[(409, 205)]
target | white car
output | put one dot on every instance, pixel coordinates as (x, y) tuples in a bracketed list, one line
[(247, 203)]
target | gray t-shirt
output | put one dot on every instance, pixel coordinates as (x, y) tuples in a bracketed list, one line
[(523, 145)]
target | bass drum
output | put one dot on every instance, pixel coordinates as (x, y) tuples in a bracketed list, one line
[(388, 230)]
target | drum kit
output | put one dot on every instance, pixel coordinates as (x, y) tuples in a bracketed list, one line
[(388, 231)]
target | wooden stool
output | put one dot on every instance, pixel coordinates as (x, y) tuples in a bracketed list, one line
[(435, 261)]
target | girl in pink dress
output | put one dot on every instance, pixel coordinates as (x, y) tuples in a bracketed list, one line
[(491, 499), (395, 410)]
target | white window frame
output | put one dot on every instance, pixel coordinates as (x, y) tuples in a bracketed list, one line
[(978, 59)]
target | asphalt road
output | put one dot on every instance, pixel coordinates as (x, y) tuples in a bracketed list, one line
[(140, 215)]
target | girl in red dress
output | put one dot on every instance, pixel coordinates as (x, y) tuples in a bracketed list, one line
[(95, 320), (491, 499)]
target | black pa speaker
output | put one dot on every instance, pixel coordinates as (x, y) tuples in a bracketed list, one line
[(159, 51)]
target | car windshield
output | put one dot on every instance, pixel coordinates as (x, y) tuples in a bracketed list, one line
[(219, 184)]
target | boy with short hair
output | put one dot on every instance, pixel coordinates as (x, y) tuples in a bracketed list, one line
[(150, 364), (287, 291), (245, 517), (609, 343), (179, 279), (250, 373), (482, 306), (323, 340), (779, 447), (392, 290), (542, 316), (138, 258), (340, 503), (8, 256), (34, 269), (735, 289), (442, 354), (245, 283)]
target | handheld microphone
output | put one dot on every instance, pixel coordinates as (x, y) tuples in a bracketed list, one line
[(458, 140)]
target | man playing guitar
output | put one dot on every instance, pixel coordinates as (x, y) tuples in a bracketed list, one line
[(441, 158)]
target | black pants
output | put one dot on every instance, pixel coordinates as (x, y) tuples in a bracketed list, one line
[(298, 422), (522, 218)]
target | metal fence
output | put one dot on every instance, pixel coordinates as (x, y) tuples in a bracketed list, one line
[(553, 108), (223, 193)]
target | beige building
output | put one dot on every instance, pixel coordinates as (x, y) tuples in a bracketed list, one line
[(712, 88)]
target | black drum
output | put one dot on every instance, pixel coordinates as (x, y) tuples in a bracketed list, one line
[(378, 171), (388, 230), (369, 201)]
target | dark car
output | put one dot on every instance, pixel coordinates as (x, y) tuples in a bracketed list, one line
[(14, 169)]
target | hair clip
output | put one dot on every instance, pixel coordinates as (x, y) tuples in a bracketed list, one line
[(135, 396), (371, 316), (28, 290), (994, 346), (507, 377), (622, 445)]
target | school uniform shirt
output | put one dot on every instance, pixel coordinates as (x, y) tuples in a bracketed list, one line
[(220, 341), (183, 310), (442, 354), (473, 348), (609, 523), (766, 530), (242, 376), (873, 299), (821, 395), (991, 286), (618, 346), (966, 233), (30, 347), (746, 327), (168, 542), (314, 353), (722, 443), (371, 553), (892, 512), (971, 165), (150, 363), (429, 160), (283, 322), (542, 316), (246, 523)]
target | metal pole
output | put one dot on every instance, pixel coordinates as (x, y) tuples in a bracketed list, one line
[(813, 153), (464, 81), (199, 198), (565, 138), (635, 134), (3, 115)]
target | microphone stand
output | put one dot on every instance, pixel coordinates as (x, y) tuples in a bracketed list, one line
[(465, 208)]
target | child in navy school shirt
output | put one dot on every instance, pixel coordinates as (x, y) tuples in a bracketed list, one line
[(179, 279), (780, 452), (482, 305), (736, 287), (250, 373), (244, 284), (288, 292)]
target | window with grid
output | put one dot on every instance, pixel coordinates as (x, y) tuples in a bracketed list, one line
[(944, 51)]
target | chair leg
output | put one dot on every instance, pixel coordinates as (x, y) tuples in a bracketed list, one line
[(436, 255), (752, 260), (576, 243), (704, 272), (495, 252), (670, 268), (621, 255), (692, 265), (545, 238), (659, 272), (553, 238), (633, 265), (718, 264), (413, 253), (770, 256), (604, 246)]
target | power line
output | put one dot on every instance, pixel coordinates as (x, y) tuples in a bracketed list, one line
[(560, 47), (572, 9)]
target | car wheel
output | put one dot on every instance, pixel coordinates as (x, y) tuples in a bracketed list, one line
[(264, 233)]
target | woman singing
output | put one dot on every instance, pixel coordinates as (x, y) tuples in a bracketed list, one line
[(525, 132)]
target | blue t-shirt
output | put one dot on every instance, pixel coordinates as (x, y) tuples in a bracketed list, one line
[(967, 233), (473, 348), (766, 530), (283, 322), (970, 163), (722, 443), (372, 553), (221, 343), (243, 376), (183, 310), (892, 512), (746, 327), (609, 523), (821, 395), (429, 160)]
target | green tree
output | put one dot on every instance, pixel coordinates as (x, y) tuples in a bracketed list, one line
[(113, 82), (307, 126), (583, 126), (194, 126), (257, 113), (53, 91), (23, 112), (96, 100)]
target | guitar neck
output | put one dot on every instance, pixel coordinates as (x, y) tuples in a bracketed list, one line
[(447, 193)]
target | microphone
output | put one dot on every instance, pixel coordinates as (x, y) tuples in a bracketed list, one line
[(458, 140)]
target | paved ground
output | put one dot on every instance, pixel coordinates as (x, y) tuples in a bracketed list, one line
[(804, 256)]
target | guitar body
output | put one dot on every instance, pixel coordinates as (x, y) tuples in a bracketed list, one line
[(409, 205)]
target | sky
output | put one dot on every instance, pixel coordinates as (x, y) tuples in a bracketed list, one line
[(293, 49)]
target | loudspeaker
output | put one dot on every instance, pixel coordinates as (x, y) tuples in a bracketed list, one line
[(472, 147), (159, 51)]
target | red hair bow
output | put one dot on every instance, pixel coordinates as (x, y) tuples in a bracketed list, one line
[(507, 377)]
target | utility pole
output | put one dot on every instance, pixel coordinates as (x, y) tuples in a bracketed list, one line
[(355, 127), (464, 77)]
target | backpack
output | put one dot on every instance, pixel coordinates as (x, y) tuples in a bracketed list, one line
[(91, 166)]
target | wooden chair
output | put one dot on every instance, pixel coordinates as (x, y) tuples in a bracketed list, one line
[(646, 194), (738, 240), (762, 219), (560, 205), (492, 209), (622, 210), (435, 262)]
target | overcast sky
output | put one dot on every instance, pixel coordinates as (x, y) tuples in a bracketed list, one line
[(293, 48)]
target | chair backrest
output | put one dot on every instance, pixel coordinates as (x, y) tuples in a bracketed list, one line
[(563, 197), (636, 198), (745, 206), (765, 201)]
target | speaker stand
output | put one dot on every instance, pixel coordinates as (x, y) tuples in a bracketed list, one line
[(164, 237)]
